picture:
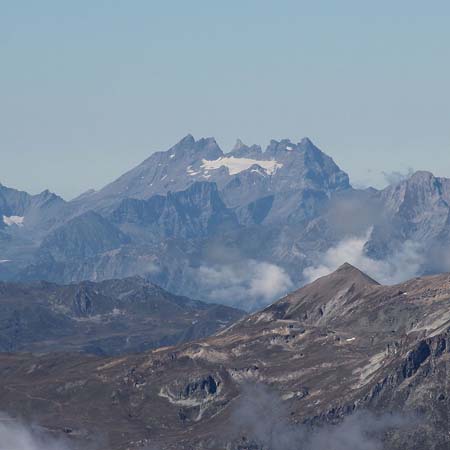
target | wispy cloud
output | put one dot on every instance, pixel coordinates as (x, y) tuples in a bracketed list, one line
[(402, 265), (261, 417), (17, 436), (247, 283), (396, 176)]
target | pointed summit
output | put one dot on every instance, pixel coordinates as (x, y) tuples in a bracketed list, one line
[(346, 274), (327, 297), (239, 144), (187, 140), (310, 148), (349, 270), (204, 148), (241, 150), (306, 141)]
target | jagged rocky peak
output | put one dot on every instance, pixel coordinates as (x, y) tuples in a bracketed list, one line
[(423, 183), (187, 140), (306, 142), (241, 150), (419, 192), (290, 166), (206, 148), (238, 146), (418, 179), (49, 196), (275, 147), (286, 146)]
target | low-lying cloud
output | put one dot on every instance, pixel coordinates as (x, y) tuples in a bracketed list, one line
[(261, 417), (403, 264), (396, 177), (247, 283), (17, 436)]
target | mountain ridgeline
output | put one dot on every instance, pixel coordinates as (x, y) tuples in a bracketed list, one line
[(111, 361), (339, 346), (185, 218), (106, 318)]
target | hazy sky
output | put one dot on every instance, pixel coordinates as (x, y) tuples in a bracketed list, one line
[(89, 88)]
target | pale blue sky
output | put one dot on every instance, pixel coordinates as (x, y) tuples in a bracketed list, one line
[(89, 88)]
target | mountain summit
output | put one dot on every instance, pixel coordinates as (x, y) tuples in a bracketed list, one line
[(192, 160), (205, 223)]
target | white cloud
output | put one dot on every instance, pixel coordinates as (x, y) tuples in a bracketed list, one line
[(396, 177), (260, 414), (402, 265), (247, 284), (15, 436)]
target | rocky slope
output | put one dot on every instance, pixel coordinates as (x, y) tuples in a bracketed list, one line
[(107, 318), (417, 210), (340, 345)]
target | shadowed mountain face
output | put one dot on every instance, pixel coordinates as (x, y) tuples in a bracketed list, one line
[(107, 318), (417, 210), (340, 345), (213, 225), (196, 212)]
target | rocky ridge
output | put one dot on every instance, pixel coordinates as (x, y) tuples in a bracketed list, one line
[(340, 345)]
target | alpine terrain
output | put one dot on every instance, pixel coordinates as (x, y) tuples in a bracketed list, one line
[(212, 225), (328, 351)]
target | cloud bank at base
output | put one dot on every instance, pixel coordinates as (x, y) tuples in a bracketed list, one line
[(17, 436), (262, 417), (246, 283), (402, 265)]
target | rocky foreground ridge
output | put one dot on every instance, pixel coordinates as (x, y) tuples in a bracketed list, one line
[(339, 345)]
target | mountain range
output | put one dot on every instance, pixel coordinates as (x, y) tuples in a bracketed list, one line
[(105, 318), (343, 362), (212, 225)]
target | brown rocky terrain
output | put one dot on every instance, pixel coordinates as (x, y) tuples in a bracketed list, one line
[(340, 345)]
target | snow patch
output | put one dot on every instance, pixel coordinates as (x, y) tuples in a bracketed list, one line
[(237, 165), (13, 220), (259, 172), (191, 172), (2, 261)]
